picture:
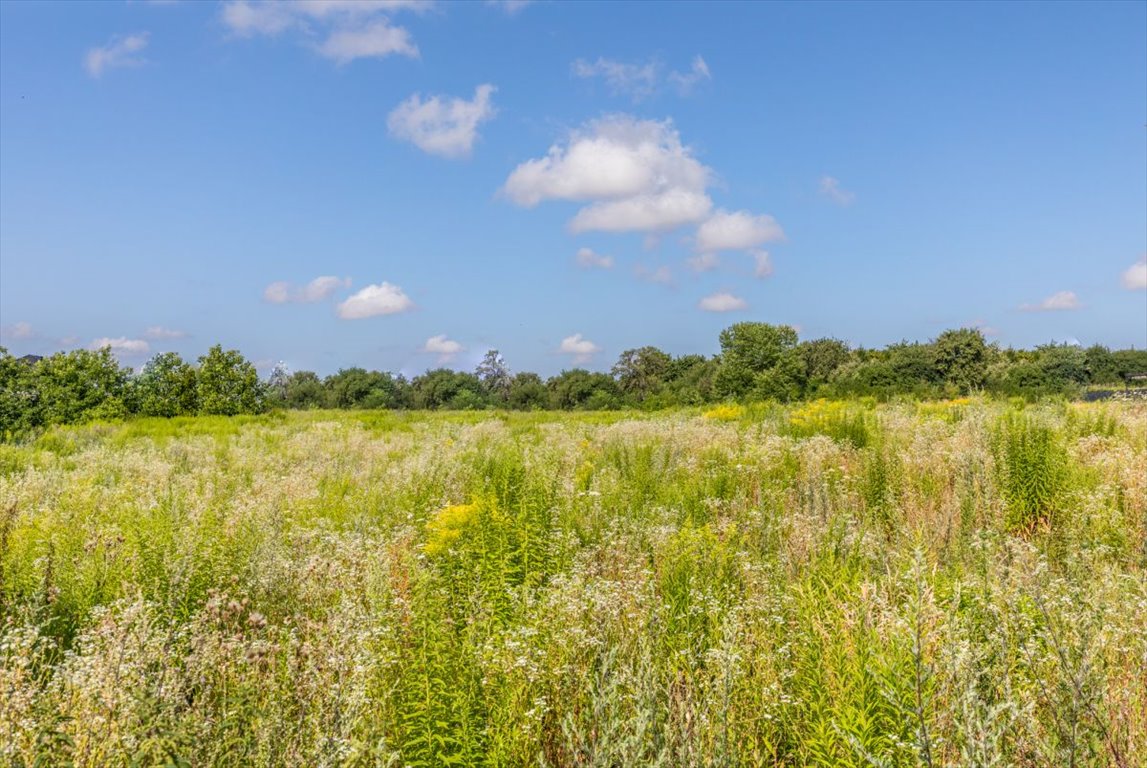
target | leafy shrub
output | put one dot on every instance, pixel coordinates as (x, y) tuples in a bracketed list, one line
[(1031, 464)]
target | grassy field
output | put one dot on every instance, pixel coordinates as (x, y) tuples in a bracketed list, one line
[(957, 583)]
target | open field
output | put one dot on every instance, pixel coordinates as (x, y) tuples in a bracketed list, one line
[(951, 583)]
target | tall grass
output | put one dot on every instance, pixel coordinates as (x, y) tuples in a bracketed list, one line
[(959, 583)]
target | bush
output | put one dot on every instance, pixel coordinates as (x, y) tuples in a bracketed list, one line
[(1031, 463)]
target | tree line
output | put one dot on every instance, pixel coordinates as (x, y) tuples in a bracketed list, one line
[(758, 361)]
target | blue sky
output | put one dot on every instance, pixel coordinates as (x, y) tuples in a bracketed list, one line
[(398, 185)]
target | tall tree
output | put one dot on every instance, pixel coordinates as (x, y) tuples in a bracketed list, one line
[(277, 383), (81, 385), (962, 358), (20, 403), (495, 376), (305, 390), (822, 358), (528, 392), (228, 384), (444, 388), (748, 350), (641, 372), (580, 389), (167, 387)]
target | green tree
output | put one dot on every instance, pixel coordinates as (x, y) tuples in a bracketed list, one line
[(913, 366), (276, 387), (167, 386), (360, 388), (689, 380), (305, 390), (1064, 365), (440, 387), (228, 384), (961, 358), (749, 350), (1129, 361), (822, 358), (784, 381), (578, 388), (80, 386), (1101, 365), (641, 373), (495, 376), (20, 402), (866, 373), (528, 392)]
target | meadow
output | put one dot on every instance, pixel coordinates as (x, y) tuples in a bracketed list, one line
[(829, 583)]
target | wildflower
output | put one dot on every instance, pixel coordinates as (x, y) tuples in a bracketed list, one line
[(445, 527)]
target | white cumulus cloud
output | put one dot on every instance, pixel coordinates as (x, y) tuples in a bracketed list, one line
[(349, 29), (830, 189), (121, 52), (445, 348), (1135, 277), (122, 345), (722, 302), (319, 289), (381, 299), (587, 258), (581, 348), (442, 125), (655, 212), (636, 175), (1062, 300), (159, 333), (741, 230)]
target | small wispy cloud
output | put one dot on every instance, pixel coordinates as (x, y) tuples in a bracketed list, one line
[(21, 331), (722, 302), (687, 81), (983, 327), (587, 258), (349, 29), (1057, 302), (581, 348), (509, 7), (376, 40), (762, 264), (703, 262), (122, 51), (640, 80), (319, 289), (661, 275), (373, 300), (830, 189), (159, 333), (122, 345), (442, 125)]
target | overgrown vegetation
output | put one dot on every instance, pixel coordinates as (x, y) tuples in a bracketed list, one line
[(835, 583), (757, 362)]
